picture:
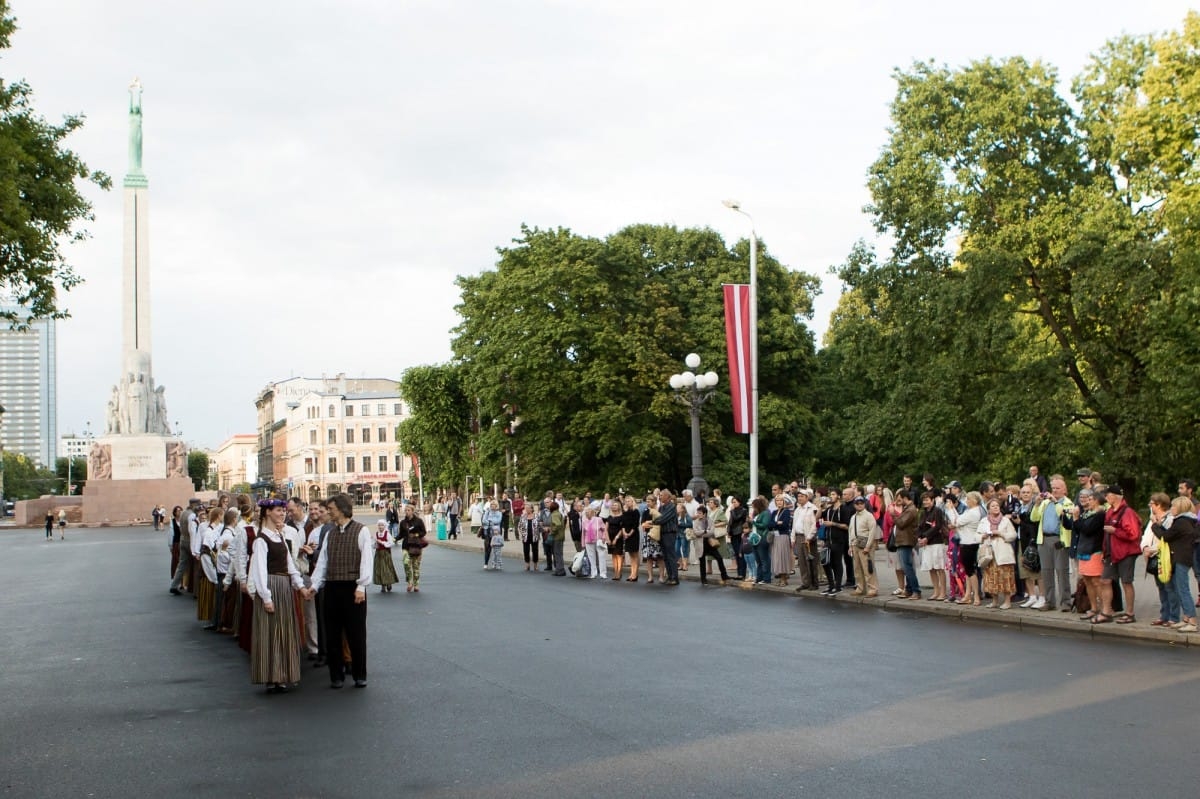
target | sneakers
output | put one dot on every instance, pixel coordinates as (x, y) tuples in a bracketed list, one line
[(1029, 602), (827, 591), (1186, 628), (1039, 603)]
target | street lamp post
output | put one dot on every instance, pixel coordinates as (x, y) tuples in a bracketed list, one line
[(736, 206), (693, 390)]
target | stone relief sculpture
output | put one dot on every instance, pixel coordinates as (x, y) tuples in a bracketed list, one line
[(176, 459), (100, 462)]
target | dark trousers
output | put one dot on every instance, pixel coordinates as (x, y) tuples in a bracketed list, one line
[(453, 533), (548, 550), (320, 600), (487, 548), (344, 617), (762, 551), (669, 560), (560, 566), (504, 525), (711, 551), (735, 541), (838, 551), (530, 550)]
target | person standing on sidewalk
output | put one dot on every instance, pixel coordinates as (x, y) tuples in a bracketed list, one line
[(558, 531), (454, 511), (864, 535), (1053, 539), (905, 533), (493, 524), (667, 522), (1122, 545)]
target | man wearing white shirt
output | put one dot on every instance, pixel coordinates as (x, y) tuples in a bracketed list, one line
[(344, 569), (804, 537)]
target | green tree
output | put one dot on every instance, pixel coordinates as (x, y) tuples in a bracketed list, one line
[(77, 473), (197, 465), (1037, 302), (40, 204), (438, 424), (577, 336)]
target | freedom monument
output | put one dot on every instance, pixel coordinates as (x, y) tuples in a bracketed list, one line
[(137, 463)]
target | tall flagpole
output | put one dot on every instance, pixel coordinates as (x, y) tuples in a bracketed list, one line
[(734, 205)]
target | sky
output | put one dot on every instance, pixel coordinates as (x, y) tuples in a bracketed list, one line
[(320, 172)]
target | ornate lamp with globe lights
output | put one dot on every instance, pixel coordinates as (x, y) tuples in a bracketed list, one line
[(692, 389)]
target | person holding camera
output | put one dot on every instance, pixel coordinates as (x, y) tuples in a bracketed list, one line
[(1053, 538)]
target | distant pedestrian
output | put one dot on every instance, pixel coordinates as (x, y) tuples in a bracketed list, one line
[(385, 568), (413, 543), (49, 525)]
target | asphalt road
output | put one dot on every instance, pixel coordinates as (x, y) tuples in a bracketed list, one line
[(515, 684)]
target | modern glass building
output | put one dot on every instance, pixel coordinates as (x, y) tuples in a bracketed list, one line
[(29, 389)]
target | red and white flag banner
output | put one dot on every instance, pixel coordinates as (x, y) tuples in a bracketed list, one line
[(737, 342)]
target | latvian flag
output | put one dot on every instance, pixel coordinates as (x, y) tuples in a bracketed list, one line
[(737, 341)]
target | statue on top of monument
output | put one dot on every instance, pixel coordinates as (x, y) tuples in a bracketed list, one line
[(161, 426), (135, 126)]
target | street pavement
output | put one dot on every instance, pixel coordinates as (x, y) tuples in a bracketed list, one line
[(507, 684)]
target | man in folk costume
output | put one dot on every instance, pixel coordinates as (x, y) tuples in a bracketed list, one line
[(344, 570)]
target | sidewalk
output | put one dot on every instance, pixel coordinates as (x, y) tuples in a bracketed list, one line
[(1040, 622)]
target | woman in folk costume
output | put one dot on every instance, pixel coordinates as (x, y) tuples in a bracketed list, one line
[(227, 594), (206, 590), (244, 624), (275, 647), (385, 568)]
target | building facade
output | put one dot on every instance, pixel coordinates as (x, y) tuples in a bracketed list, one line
[(29, 389), (346, 443), (236, 461)]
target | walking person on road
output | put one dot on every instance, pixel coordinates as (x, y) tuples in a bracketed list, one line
[(412, 543), (50, 525), (493, 521), (62, 524), (385, 568)]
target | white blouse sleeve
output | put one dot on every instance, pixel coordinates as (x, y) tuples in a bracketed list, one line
[(258, 567)]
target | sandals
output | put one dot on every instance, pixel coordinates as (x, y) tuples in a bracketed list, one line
[(1100, 618), (1126, 619)]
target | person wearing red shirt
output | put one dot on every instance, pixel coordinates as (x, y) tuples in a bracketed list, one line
[(1122, 545)]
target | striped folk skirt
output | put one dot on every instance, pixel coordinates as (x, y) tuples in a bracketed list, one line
[(385, 568), (206, 598), (275, 648)]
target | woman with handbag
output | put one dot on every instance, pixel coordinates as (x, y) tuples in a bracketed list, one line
[(996, 535), (529, 531), (706, 536), (652, 551), (628, 538), (1087, 537), (412, 544)]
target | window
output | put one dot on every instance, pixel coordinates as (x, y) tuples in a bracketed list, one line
[(396, 409), (366, 438), (397, 462), (382, 435), (380, 409), (312, 436), (366, 410), (349, 410), (349, 463), (366, 463), (332, 411), (332, 437), (383, 463), (333, 465), (308, 466), (349, 435)]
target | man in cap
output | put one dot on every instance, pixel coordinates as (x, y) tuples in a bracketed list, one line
[(864, 535), (1123, 529), (1084, 477)]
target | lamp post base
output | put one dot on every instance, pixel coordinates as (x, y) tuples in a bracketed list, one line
[(698, 486)]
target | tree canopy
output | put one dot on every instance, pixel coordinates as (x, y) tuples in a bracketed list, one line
[(40, 203), (566, 348), (1040, 297)]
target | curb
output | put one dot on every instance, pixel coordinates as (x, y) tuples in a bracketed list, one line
[(1035, 622)]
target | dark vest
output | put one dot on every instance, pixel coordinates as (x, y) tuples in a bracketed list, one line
[(342, 555), (277, 556)]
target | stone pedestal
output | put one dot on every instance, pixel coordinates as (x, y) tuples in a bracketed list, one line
[(118, 501)]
